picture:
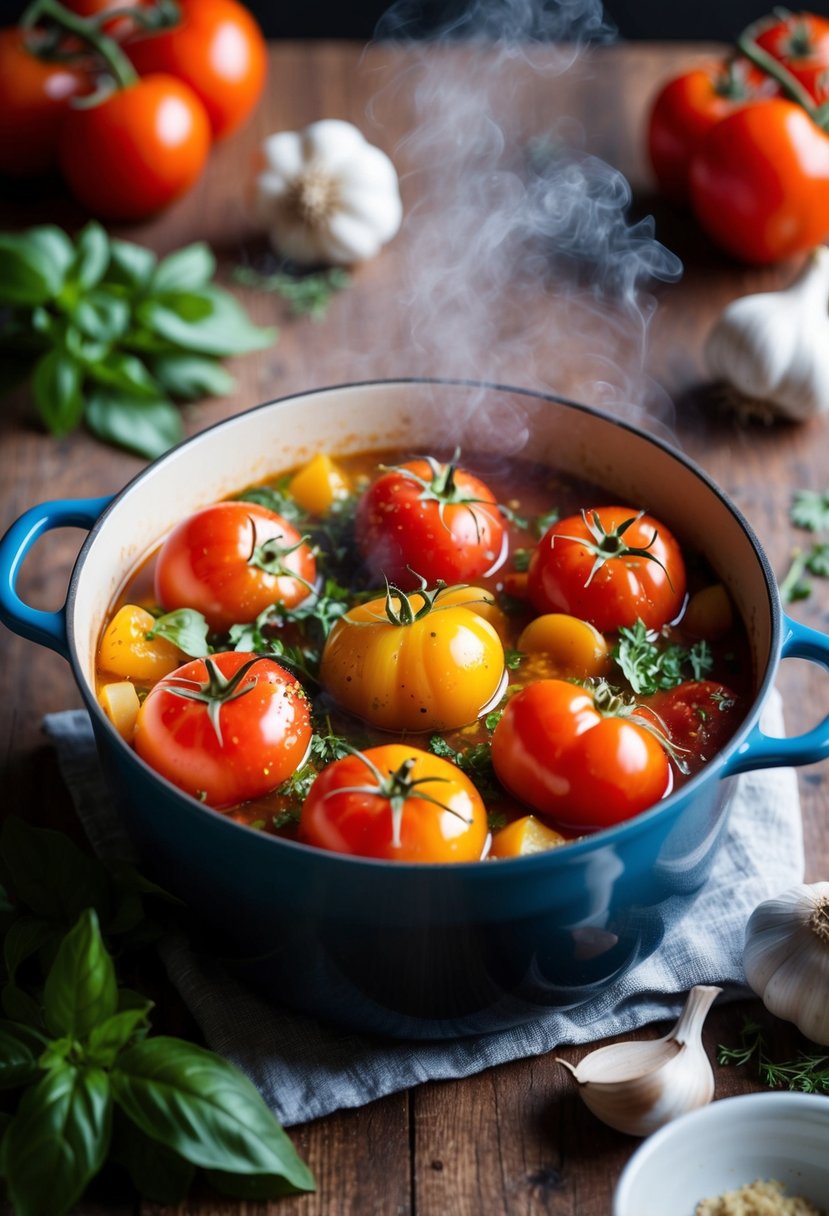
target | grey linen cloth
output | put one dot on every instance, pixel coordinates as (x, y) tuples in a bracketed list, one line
[(305, 1069)]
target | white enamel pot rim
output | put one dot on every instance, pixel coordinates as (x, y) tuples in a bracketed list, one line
[(390, 404)]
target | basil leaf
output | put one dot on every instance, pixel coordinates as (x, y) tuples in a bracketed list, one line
[(20, 1049), (130, 265), (157, 1173), (56, 386), (81, 989), (57, 246), (102, 316), (192, 376), (23, 939), (211, 322), (91, 257), (127, 373), (49, 874), (185, 270), (146, 427), (57, 1141), (28, 275), (205, 1109), (109, 1037), (185, 628)]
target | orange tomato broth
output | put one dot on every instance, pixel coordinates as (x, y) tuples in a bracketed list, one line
[(530, 491)]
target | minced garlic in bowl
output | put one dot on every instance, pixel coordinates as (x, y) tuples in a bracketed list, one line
[(758, 1198)]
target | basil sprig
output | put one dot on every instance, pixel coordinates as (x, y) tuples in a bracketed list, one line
[(112, 337), (89, 1082)]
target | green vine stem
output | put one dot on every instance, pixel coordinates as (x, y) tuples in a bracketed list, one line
[(117, 63)]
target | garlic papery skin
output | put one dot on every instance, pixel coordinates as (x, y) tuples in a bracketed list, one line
[(326, 195), (786, 957), (773, 347), (637, 1087)]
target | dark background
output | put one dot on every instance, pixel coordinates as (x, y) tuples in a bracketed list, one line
[(657, 19)]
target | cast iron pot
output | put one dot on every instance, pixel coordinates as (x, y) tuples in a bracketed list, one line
[(420, 950)]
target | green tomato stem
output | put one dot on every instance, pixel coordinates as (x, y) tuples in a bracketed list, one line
[(120, 68)]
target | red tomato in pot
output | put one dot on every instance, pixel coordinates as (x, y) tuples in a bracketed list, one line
[(688, 106), (760, 182), (556, 751), (34, 97), (225, 729), (698, 717), (610, 566), (800, 41), (218, 50), (432, 518), (397, 803), (134, 153), (231, 561)]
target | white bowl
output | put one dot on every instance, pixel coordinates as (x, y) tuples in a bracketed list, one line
[(726, 1145)]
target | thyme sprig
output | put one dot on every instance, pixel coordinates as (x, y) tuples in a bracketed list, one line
[(807, 1072)]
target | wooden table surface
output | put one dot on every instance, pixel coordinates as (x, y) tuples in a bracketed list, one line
[(515, 1139)]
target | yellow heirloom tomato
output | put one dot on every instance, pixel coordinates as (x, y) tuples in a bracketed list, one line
[(127, 651), (414, 661)]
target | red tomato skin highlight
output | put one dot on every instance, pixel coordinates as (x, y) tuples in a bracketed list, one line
[(204, 564), (398, 532), (360, 824), (218, 50), (760, 183), (624, 589), (136, 152), (555, 752), (266, 733)]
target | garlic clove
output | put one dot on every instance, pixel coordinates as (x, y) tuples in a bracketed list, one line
[(773, 347), (637, 1087), (786, 957)]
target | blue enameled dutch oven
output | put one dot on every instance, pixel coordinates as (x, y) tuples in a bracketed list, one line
[(404, 949)]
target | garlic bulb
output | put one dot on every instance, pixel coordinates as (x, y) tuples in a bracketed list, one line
[(326, 195), (786, 957), (638, 1087), (773, 348)]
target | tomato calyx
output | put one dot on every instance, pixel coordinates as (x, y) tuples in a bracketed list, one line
[(443, 488), (791, 86), (62, 22), (404, 613), (611, 702), (732, 83), (214, 692), (397, 787), (607, 545), (270, 556)]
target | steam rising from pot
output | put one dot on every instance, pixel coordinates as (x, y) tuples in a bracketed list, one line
[(519, 262)]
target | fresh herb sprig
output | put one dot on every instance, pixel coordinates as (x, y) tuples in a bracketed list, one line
[(807, 1072), (649, 667), (87, 1080), (111, 336), (809, 511), (305, 294)]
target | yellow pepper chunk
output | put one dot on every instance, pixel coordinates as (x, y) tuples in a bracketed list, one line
[(526, 835), (572, 646), (319, 484), (126, 651), (121, 705)]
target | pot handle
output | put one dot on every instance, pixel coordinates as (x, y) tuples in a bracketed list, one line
[(46, 628), (764, 751)]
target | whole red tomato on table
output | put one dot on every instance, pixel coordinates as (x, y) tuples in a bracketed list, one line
[(688, 106), (218, 50), (760, 182), (34, 97)]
